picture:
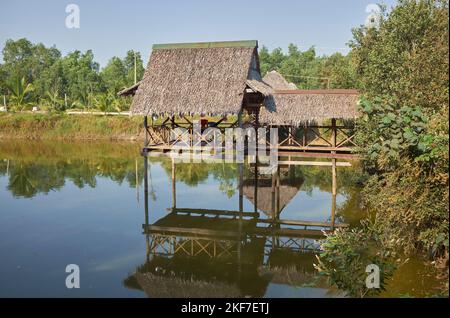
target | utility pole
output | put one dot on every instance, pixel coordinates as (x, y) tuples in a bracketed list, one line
[(135, 69)]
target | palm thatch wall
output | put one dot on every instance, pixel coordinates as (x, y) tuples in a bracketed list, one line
[(198, 78), (296, 107)]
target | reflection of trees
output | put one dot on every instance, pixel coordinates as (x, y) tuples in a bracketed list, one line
[(349, 181), (193, 174), (20, 183), (50, 165), (28, 179)]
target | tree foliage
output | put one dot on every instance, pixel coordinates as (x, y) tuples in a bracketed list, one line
[(347, 253), (402, 69), (73, 80), (307, 70)]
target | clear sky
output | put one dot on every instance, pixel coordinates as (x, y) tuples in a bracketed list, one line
[(110, 28)]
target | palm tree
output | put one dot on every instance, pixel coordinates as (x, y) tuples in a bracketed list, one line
[(54, 100), (101, 102), (20, 91)]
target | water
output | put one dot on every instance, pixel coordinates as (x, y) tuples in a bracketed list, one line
[(85, 204)]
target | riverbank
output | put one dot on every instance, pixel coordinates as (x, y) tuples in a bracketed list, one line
[(69, 127)]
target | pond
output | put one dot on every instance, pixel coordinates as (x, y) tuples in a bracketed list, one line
[(185, 230)]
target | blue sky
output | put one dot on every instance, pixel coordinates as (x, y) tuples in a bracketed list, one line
[(110, 28)]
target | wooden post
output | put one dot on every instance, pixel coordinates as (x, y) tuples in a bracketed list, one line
[(65, 100), (146, 131), (273, 190), (255, 195), (239, 119), (174, 182), (333, 133), (305, 135), (290, 136), (4, 103), (333, 144)]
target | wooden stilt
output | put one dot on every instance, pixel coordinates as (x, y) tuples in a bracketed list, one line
[(146, 131), (273, 195)]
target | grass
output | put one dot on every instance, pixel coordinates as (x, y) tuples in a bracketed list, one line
[(60, 126), (70, 127)]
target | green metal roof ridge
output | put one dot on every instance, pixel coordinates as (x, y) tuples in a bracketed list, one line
[(205, 45)]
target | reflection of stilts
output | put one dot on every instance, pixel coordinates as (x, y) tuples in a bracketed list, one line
[(137, 181), (241, 210), (147, 239), (174, 184)]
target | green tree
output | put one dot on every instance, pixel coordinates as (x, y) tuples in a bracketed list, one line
[(81, 73), (339, 69), (307, 70), (20, 92), (22, 59), (402, 70), (114, 75)]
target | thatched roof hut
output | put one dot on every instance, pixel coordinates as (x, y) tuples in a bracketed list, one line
[(199, 78), (295, 107), (277, 81)]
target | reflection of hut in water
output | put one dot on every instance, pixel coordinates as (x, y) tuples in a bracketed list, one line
[(195, 252), (264, 200), (198, 256), (274, 193)]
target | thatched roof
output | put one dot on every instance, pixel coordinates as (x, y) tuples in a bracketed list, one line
[(129, 91), (277, 81), (294, 107), (198, 78)]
